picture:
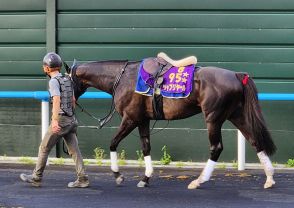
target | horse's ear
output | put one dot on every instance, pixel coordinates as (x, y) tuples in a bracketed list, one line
[(67, 68)]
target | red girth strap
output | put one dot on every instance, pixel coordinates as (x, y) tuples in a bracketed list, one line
[(245, 79)]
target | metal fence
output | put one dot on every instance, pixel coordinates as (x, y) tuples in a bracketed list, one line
[(43, 96)]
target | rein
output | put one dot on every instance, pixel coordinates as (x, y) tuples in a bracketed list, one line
[(107, 118)]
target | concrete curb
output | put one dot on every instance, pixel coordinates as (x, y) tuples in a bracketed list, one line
[(134, 163)]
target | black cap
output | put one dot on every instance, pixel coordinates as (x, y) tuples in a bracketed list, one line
[(52, 60)]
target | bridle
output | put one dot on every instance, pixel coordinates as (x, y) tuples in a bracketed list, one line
[(107, 118), (103, 121)]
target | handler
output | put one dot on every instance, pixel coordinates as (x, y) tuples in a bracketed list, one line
[(63, 124)]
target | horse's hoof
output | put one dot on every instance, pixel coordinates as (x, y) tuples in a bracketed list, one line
[(142, 184), (119, 180), (194, 184), (269, 183)]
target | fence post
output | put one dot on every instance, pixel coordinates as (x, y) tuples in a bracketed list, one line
[(45, 117), (241, 151)]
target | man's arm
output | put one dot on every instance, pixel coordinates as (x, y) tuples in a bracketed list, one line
[(73, 102), (55, 114)]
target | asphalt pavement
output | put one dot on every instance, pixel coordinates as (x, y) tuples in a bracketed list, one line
[(168, 188)]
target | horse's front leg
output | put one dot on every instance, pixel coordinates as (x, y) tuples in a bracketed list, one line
[(125, 128), (216, 147), (146, 147)]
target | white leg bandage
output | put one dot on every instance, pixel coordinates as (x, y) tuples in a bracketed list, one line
[(207, 171), (148, 166), (113, 159), (268, 169), (204, 176), (266, 163)]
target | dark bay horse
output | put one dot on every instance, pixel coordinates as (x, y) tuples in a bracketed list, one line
[(218, 93)]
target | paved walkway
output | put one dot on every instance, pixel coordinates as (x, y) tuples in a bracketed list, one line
[(168, 188)]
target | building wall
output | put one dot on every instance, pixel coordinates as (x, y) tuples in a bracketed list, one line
[(252, 36)]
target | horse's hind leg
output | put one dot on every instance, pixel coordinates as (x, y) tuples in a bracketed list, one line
[(125, 128), (216, 147), (239, 121), (268, 169), (146, 147)]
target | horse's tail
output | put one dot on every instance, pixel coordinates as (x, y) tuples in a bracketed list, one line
[(253, 116)]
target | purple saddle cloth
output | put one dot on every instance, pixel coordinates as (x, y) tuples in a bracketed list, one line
[(177, 82)]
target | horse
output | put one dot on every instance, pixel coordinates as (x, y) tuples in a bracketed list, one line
[(220, 94)]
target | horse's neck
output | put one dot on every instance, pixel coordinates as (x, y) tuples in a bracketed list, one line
[(103, 76)]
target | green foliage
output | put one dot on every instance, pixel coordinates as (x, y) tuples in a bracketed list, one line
[(58, 161), (26, 160), (122, 158), (290, 163), (180, 164), (166, 158), (222, 165), (86, 162), (140, 157), (235, 164), (99, 155)]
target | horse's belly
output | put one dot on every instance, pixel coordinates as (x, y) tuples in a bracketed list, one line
[(179, 109)]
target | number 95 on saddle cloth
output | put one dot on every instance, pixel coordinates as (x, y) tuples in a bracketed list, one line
[(177, 82)]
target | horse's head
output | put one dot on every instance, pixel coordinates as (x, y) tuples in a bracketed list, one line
[(79, 84)]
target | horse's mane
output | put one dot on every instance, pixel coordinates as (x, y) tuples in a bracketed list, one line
[(94, 63), (106, 61)]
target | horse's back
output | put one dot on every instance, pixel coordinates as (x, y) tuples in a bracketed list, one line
[(218, 77)]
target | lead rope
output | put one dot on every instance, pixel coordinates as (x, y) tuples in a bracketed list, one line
[(108, 117), (159, 130)]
